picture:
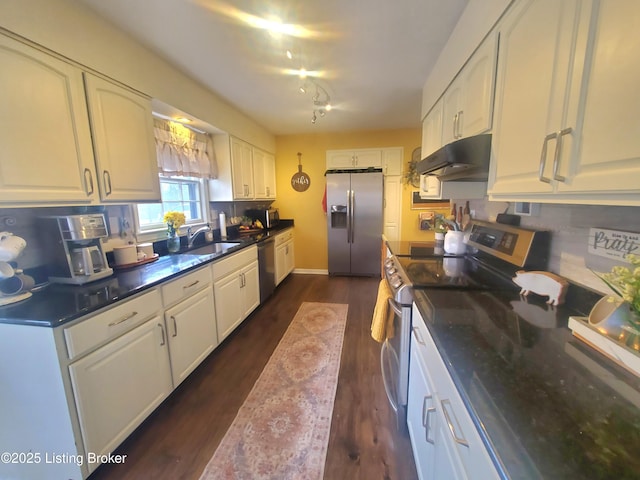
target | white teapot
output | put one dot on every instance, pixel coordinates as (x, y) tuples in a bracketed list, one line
[(11, 246)]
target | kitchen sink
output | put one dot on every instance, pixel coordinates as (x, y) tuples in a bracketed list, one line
[(213, 248)]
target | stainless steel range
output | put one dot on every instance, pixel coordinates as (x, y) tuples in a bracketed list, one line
[(495, 253)]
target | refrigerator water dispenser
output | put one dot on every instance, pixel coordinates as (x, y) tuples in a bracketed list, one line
[(338, 216)]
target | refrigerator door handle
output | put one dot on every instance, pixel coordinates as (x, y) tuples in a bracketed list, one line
[(349, 217), (353, 216)]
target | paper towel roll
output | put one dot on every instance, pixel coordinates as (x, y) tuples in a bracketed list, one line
[(223, 225)]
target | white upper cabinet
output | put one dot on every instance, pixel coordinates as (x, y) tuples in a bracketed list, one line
[(432, 130), (468, 102), (392, 161), (46, 153), (564, 129), (244, 171), (354, 159), (124, 147), (606, 159), (264, 174), (242, 168)]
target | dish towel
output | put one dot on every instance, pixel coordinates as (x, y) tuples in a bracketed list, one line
[(381, 327)]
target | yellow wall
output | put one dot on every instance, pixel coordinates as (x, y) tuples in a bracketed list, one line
[(306, 207)]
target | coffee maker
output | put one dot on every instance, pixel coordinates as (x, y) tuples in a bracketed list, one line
[(75, 250)]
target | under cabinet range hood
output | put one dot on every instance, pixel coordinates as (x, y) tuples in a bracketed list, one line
[(465, 160)]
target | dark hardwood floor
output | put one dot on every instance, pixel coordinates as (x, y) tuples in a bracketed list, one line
[(179, 438)]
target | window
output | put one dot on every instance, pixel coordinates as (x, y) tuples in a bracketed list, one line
[(181, 194)]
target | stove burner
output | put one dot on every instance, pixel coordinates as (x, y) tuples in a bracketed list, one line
[(451, 272)]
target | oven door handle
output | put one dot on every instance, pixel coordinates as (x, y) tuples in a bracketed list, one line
[(395, 307), (387, 353)]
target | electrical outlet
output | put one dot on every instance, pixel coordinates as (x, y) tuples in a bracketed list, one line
[(472, 212)]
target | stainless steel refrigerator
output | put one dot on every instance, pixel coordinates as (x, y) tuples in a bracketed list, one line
[(354, 221)]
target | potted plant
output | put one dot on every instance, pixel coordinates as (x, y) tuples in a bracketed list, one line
[(625, 306)]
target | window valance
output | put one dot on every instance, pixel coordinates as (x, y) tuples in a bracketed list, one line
[(182, 151)]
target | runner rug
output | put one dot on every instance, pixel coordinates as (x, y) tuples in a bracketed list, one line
[(282, 429)]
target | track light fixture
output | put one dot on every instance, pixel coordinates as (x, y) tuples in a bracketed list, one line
[(321, 99)]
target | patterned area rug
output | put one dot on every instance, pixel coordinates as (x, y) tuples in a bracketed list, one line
[(282, 429)]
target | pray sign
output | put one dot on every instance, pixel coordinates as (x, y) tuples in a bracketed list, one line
[(613, 244)]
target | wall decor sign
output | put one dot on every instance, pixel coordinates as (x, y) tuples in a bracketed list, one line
[(613, 244), (300, 180)]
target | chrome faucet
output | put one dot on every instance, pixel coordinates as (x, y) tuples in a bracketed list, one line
[(192, 236)]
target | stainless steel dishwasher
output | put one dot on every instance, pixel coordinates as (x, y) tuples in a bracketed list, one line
[(266, 267)]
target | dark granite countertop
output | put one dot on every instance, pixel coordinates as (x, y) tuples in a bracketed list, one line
[(57, 304), (547, 405)]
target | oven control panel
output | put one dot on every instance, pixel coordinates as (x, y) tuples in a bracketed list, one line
[(519, 246)]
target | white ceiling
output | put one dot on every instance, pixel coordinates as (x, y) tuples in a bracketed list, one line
[(374, 55)]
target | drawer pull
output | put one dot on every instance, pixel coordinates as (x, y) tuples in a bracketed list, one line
[(452, 429), (425, 418), (123, 319), (418, 335), (191, 284)]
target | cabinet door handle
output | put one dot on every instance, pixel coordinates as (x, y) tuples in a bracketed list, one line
[(452, 429), (556, 157), (543, 157), (455, 125), (459, 125), (123, 319), (175, 326), (106, 178), (191, 284), (162, 331), (418, 335), (88, 186), (425, 418)]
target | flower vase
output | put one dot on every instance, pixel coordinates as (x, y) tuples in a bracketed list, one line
[(614, 316), (173, 242)]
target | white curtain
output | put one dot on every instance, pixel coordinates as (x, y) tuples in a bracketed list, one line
[(182, 151)]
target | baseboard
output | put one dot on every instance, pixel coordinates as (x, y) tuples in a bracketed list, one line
[(310, 271)]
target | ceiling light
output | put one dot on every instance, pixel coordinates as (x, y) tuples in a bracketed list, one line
[(321, 99), (289, 54), (302, 89), (302, 73)]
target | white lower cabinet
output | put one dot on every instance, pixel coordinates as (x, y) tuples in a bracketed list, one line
[(191, 329), (117, 386), (285, 255), (236, 288), (444, 439), (420, 416), (190, 321)]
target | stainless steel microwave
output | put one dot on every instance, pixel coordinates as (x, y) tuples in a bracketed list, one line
[(270, 217)]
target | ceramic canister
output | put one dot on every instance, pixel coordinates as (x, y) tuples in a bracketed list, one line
[(146, 249), (125, 255), (454, 243)]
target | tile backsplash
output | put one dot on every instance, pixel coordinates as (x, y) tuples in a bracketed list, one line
[(570, 226)]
